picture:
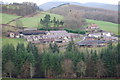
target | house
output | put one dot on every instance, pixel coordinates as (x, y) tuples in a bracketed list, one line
[(13, 34), (93, 26), (108, 34), (96, 35), (91, 43)]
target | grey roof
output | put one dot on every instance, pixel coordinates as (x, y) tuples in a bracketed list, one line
[(59, 32), (32, 32), (91, 42)]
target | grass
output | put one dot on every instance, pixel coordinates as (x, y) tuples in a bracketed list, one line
[(56, 79), (6, 18), (33, 21), (107, 26), (13, 41)]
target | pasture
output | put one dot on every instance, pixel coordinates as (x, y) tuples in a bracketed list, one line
[(13, 41), (35, 20), (6, 18), (107, 26)]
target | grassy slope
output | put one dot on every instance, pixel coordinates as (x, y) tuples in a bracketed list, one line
[(6, 18), (59, 79), (107, 26), (27, 21), (13, 41), (33, 21)]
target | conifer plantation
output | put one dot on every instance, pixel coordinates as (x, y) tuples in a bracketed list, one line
[(28, 62)]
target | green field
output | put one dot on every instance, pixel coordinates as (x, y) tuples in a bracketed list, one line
[(107, 26), (13, 41), (6, 18), (33, 21), (57, 79)]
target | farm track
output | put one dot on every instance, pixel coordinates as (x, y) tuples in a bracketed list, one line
[(31, 15), (7, 25), (14, 20)]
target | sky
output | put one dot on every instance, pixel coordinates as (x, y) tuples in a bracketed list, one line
[(39, 2)]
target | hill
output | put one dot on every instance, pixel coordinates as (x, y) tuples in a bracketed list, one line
[(102, 5), (86, 12), (33, 21), (20, 9), (7, 17), (50, 5)]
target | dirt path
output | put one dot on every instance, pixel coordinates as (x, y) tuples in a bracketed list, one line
[(31, 15), (7, 25), (14, 20)]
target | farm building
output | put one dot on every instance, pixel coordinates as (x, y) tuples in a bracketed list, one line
[(90, 38), (60, 35), (100, 34), (60, 32), (33, 35), (93, 26), (38, 36), (32, 32), (111, 38), (13, 34), (96, 35), (92, 43)]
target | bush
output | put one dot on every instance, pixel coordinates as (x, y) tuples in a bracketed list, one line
[(75, 31)]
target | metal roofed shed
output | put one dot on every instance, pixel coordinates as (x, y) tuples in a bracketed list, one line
[(92, 43), (34, 32)]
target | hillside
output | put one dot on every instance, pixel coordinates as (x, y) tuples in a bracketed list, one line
[(27, 21), (102, 5), (7, 17), (30, 21), (86, 12), (20, 9), (49, 5)]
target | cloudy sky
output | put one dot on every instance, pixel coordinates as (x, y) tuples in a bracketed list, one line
[(81, 1)]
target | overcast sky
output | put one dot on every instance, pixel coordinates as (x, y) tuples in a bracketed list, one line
[(81, 1)]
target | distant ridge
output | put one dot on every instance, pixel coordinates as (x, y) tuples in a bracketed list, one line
[(49, 5)]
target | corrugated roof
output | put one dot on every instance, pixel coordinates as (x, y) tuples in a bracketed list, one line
[(33, 32), (90, 42)]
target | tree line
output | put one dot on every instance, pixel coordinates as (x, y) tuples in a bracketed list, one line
[(27, 62), (47, 21), (78, 31), (20, 9)]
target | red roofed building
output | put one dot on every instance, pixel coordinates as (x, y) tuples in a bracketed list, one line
[(93, 26)]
